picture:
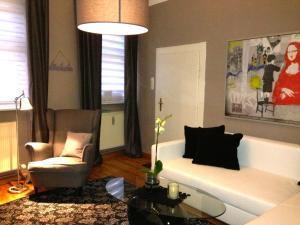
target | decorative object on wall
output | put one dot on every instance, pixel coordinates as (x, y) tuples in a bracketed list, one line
[(118, 17), (263, 78), (60, 63)]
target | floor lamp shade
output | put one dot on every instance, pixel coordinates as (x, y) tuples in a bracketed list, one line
[(25, 104), (117, 17)]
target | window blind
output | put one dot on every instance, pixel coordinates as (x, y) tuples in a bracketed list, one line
[(112, 69), (13, 52)]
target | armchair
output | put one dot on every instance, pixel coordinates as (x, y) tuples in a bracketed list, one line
[(48, 168)]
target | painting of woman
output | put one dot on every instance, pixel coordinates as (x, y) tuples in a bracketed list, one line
[(287, 87)]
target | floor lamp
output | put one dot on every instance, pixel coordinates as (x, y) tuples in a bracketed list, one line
[(22, 103)]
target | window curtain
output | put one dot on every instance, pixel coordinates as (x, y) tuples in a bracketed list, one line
[(38, 42), (90, 53), (132, 128), (90, 46)]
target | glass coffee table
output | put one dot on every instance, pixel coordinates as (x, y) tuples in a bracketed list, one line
[(148, 212)]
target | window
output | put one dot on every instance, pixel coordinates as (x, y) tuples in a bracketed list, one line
[(13, 74), (13, 52), (112, 69)]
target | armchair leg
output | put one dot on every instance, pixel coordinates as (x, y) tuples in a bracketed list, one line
[(36, 190)]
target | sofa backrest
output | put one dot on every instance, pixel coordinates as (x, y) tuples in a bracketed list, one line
[(271, 156)]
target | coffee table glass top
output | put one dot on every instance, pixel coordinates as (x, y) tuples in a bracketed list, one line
[(208, 206)]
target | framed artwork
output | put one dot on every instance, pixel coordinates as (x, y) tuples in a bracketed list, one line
[(263, 78)]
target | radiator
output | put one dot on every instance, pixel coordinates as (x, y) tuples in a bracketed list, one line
[(8, 146)]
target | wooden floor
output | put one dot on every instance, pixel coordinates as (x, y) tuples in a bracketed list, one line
[(114, 164), (119, 165)]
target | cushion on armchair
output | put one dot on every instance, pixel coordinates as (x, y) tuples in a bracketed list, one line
[(58, 164), (197, 134), (75, 143), (218, 150)]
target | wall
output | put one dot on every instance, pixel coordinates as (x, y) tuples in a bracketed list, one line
[(64, 89), (179, 22)]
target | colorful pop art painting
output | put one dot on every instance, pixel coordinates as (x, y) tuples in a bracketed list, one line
[(263, 78)]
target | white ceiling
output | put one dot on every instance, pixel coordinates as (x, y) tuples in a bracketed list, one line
[(153, 2)]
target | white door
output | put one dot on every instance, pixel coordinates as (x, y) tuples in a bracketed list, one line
[(180, 83)]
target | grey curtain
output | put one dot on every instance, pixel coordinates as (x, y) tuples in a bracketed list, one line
[(90, 52), (132, 127), (38, 41)]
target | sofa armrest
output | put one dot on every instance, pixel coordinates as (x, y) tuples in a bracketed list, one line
[(39, 151), (88, 155), (168, 150)]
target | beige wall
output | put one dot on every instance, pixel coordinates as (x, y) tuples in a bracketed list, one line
[(64, 89), (177, 22)]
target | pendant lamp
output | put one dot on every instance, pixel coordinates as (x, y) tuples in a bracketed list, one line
[(116, 17)]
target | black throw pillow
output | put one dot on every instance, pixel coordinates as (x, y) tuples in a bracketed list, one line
[(196, 134), (218, 150)]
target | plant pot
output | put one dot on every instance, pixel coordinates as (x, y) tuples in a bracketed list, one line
[(152, 181)]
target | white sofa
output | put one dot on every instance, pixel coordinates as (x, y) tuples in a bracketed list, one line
[(267, 178)]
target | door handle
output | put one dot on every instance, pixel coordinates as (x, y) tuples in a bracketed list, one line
[(160, 104)]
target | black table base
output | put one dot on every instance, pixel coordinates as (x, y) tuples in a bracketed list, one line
[(143, 217)]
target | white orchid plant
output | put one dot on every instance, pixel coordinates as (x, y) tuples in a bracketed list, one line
[(159, 129)]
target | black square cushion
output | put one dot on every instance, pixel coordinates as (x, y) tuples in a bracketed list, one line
[(194, 134), (218, 150)]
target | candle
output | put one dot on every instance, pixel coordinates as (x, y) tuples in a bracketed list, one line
[(173, 189)]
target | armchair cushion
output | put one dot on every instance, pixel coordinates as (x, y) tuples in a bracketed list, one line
[(75, 143), (58, 164)]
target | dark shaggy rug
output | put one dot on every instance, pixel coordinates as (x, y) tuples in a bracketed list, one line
[(64, 206)]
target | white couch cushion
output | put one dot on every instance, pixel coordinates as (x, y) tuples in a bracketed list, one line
[(249, 189), (293, 201), (286, 213), (280, 215)]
